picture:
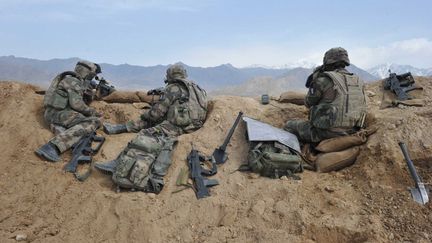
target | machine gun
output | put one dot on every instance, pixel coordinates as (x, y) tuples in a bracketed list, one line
[(103, 88), (82, 151), (197, 173), (400, 84), (156, 92)]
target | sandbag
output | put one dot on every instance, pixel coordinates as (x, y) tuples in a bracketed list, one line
[(292, 97), (122, 97), (341, 143), (327, 162), (144, 97)]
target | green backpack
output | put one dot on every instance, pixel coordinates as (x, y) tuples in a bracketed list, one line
[(273, 159)]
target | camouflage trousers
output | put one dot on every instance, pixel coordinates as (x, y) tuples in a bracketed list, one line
[(76, 124), (307, 133), (146, 159), (136, 126)]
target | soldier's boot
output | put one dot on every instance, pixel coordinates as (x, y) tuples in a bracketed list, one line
[(114, 128), (122, 182), (49, 152), (108, 167)]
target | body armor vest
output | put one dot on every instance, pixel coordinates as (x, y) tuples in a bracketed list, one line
[(189, 112), (348, 109), (55, 97)]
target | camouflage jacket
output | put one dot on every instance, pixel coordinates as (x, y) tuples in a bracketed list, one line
[(336, 100), (66, 92), (184, 105)]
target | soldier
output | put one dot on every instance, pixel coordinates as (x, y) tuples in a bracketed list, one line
[(66, 111), (145, 160), (336, 101)]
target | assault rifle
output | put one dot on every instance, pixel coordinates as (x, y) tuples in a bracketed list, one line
[(158, 92), (197, 173), (103, 88), (82, 151), (400, 84)]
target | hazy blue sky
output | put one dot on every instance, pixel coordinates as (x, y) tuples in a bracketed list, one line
[(210, 32)]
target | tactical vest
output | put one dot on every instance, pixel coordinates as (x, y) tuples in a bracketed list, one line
[(348, 109), (57, 98), (190, 112)]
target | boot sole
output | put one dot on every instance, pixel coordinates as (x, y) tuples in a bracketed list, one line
[(45, 156)]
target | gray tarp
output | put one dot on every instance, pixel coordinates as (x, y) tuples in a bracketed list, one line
[(260, 131)]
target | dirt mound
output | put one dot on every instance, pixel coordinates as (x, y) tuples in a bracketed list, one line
[(368, 201)]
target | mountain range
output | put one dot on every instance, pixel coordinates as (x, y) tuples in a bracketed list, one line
[(293, 79), (382, 71), (222, 79)]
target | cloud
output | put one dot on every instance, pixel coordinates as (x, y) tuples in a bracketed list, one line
[(246, 55), (416, 52)]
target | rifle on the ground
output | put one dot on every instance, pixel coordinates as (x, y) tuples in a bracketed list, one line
[(82, 152), (400, 84), (197, 173), (219, 154)]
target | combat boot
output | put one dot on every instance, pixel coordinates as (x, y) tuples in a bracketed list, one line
[(108, 167), (49, 152), (114, 128), (123, 182)]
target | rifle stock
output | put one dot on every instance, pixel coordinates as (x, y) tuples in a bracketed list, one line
[(82, 151), (200, 183)]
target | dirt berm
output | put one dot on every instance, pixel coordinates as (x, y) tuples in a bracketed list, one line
[(367, 202)]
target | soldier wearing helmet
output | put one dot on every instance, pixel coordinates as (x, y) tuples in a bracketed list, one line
[(336, 101), (145, 160), (68, 115)]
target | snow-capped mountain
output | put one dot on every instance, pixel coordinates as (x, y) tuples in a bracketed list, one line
[(381, 71), (298, 64)]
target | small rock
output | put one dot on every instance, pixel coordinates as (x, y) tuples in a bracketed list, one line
[(370, 93), (329, 189), (253, 176), (391, 236), (282, 208), (21, 237), (228, 216), (152, 195), (259, 207), (284, 178)]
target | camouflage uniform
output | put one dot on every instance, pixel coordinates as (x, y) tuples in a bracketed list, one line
[(65, 107), (145, 160), (336, 100)]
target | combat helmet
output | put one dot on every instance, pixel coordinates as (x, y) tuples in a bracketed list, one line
[(176, 71), (336, 55), (87, 70)]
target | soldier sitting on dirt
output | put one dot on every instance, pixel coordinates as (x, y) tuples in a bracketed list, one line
[(336, 101), (145, 160), (66, 110)]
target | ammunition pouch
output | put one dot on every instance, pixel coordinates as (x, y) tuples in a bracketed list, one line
[(59, 99)]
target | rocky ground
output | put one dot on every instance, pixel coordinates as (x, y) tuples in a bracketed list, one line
[(367, 202)]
